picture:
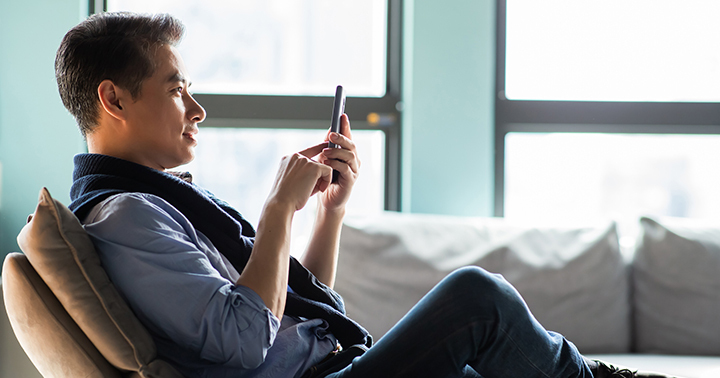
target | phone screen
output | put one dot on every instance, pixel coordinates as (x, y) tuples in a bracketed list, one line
[(337, 112)]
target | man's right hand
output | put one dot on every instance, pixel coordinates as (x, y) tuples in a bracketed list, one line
[(266, 272), (299, 178)]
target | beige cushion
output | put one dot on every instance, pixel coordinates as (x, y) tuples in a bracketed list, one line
[(62, 350), (676, 277), (64, 257)]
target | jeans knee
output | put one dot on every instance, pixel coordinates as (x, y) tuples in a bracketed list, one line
[(479, 284), (476, 276)]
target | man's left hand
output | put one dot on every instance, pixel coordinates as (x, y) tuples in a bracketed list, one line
[(345, 161)]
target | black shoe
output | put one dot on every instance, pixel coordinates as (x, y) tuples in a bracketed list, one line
[(609, 371)]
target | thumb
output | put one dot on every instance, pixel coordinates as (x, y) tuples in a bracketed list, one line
[(324, 180)]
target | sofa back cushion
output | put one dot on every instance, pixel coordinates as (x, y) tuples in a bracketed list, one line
[(64, 257), (676, 284), (47, 334), (573, 278)]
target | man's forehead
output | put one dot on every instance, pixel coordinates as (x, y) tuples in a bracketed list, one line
[(170, 67)]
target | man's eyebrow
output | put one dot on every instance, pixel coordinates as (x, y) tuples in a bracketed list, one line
[(178, 77)]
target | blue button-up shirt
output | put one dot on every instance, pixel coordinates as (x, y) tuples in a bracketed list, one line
[(183, 290)]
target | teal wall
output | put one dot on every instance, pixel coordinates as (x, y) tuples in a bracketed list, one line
[(37, 136), (448, 121)]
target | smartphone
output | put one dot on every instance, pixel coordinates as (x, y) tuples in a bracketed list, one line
[(337, 112)]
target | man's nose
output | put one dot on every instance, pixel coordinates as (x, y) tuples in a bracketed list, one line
[(195, 111)]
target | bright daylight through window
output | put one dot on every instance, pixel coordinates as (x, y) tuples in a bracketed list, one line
[(279, 47), (575, 177), (613, 50), (565, 58)]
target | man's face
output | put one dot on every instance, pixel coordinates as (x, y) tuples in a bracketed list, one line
[(164, 117)]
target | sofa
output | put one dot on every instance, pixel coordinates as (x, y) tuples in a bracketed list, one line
[(654, 306)]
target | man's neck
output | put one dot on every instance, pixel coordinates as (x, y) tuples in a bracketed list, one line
[(116, 146)]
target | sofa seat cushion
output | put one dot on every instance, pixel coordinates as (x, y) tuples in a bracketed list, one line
[(681, 366), (573, 278)]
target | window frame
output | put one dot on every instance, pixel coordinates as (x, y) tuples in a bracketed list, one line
[(313, 112), (585, 116)]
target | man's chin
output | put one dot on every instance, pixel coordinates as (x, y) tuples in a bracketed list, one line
[(189, 159), (180, 163)]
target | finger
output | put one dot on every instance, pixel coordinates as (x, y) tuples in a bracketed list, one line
[(324, 180), (342, 141), (345, 172), (314, 150), (343, 156), (345, 126)]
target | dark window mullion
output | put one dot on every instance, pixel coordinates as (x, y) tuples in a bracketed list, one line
[(289, 107), (608, 113)]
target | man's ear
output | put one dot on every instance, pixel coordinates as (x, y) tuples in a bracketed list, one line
[(112, 99)]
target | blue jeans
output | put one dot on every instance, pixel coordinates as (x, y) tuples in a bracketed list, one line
[(472, 324)]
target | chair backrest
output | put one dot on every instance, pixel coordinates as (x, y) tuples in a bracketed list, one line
[(88, 318), (50, 337)]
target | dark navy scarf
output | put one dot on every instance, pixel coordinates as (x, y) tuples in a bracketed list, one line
[(97, 177)]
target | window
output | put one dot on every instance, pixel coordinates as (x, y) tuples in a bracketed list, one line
[(279, 47), (266, 71), (607, 110)]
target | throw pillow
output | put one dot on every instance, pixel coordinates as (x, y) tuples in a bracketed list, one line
[(676, 284), (63, 255)]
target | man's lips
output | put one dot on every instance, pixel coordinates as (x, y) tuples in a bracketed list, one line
[(190, 135)]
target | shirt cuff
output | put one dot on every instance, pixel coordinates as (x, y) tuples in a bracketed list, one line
[(252, 299)]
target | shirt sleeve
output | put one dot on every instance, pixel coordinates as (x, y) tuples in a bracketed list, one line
[(168, 273)]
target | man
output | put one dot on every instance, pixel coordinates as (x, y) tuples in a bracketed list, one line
[(222, 300)]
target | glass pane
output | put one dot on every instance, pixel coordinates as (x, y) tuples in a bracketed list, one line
[(279, 47), (239, 166), (561, 177), (613, 50)]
